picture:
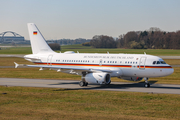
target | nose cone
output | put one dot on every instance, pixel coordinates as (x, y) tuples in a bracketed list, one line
[(166, 72), (170, 71)]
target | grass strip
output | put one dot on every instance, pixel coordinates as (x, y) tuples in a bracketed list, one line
[(47, 103)]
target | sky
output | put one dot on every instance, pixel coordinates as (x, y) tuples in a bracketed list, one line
[(71, 19)]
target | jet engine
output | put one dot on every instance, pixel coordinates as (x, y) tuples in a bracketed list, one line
[(132, 78), (101, 78)]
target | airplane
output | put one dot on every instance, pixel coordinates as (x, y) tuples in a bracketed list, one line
[(94, 67)]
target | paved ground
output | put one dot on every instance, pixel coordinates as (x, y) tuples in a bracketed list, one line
[(170, 57), (69, 84), (13, 55)]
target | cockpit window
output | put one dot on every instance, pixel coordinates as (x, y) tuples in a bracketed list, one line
[(162, 62), (159, 62)]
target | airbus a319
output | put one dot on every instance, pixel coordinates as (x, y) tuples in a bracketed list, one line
[(94, 67)]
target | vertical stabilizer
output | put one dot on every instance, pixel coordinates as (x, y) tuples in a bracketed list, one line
[(38, 43)]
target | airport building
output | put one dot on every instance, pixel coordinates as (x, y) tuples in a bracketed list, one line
[(5, 38)]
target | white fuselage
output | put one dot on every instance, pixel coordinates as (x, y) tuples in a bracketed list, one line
[(121, 65)]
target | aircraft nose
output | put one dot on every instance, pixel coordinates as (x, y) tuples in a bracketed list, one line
[(170, 71)]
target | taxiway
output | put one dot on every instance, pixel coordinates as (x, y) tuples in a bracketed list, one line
[(74, 85)]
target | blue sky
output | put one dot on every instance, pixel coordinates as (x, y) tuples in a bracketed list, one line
[(72, 19)]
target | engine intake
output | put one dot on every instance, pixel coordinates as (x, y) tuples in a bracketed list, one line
[(101, 78)]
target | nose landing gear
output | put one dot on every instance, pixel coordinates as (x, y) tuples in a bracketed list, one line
[(146, 85)]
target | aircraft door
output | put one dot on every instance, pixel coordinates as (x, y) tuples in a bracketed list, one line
[(142, 63), (49, 60), (100, 62)]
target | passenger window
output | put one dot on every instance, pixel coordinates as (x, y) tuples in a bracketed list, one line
[(158, 62), (154, 62)]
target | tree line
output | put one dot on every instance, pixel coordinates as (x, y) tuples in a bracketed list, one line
[(153, 38), (69, 41)]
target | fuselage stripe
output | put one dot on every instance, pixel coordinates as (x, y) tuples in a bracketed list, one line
[(98, 65)]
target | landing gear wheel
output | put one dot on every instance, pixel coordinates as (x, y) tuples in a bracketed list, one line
[(86, 84), (146, 85), (108, 83), (81, 83)]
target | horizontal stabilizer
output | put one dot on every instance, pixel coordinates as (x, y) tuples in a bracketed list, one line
[(20, 65)]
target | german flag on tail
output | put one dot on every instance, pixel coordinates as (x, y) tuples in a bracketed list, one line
[(35, 33)]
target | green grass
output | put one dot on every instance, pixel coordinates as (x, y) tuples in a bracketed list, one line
[(86, 49), (16, 50), (47, 103), (9, 61)]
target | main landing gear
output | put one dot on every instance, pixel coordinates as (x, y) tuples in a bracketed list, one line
[(81, 83), (146, 85)]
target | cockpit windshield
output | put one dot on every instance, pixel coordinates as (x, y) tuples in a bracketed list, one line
[(162, 62), (159, 62)]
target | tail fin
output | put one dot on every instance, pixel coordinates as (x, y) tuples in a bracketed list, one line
[(38, 43)]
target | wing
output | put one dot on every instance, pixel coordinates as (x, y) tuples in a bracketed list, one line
[(67, 69)]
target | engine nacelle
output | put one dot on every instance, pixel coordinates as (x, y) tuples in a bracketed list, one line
[(101, 78), (132, 78)]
